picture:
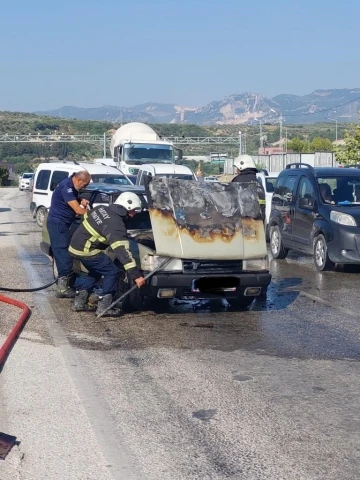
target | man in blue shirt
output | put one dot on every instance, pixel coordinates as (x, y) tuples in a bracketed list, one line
[(65, 205)]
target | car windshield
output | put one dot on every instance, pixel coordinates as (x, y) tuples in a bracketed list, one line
[(110, 179), (140, 153), (340, 190), (28, 175)]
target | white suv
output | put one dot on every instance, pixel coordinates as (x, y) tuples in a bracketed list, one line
[(25, 180)]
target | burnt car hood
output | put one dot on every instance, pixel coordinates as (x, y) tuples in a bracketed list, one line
[(205, 220)]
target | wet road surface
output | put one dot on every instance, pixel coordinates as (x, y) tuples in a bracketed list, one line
[(198, 392)]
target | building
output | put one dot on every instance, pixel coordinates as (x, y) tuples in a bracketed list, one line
[(273, 150)]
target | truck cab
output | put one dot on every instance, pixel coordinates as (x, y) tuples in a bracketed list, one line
[(135, 144)]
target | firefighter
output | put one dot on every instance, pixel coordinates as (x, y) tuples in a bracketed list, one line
[(246, 173), (105, 226)]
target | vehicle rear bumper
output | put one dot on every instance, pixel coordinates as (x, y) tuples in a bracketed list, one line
[(185, 285)]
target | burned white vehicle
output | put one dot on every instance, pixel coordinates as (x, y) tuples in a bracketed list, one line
[(211, 235)]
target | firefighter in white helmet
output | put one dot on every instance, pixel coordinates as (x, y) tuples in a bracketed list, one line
[(246, 173), (105, 226)]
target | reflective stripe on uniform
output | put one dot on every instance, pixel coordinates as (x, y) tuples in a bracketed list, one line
[(88, 244), (120, 243), (92, 230), (126, 245), (80, 253), (262, 202), (132, 264)]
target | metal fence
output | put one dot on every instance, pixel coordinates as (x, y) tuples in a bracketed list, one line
[(277, 162)]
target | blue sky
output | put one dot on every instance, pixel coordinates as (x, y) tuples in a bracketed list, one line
[(188, 52)]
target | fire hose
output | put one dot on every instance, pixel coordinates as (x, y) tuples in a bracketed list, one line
[(24, 290), (11, 339)]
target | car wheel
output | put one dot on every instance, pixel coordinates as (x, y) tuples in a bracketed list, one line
[(276, 246), (240, 302), (40, 216), (321, 257)]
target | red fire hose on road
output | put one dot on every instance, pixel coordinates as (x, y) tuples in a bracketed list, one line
[(11, 339)]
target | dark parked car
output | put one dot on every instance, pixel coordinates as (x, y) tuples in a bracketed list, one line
[(317, 211)]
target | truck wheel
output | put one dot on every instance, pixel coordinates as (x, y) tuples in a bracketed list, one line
[(276, 246), (240, 302), (40, 216), (321, 257)]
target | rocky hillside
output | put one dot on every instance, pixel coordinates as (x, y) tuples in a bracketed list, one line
[(244, 108)]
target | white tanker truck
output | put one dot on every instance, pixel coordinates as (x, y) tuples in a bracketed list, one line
[(135, 144)]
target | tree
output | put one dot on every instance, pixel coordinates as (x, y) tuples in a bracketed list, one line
[(349, 154), (321, 144), (297, 145)]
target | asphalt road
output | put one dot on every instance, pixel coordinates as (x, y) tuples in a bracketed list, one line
[(199, 392)]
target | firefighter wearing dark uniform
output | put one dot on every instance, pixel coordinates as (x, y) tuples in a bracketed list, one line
[(104, 226), (246, 173)]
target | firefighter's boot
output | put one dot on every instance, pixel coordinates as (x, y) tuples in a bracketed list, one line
[(63, 288), (104, 303), (81, 301)]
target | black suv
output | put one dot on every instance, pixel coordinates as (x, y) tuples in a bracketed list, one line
[(317, 211)]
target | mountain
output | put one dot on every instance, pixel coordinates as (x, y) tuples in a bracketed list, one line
[(244, 108)]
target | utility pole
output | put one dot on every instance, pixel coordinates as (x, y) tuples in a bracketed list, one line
[(240, 146), (261, 139), (336, 130), (244, 142), (281, 125), (286, 140), (104, 155)]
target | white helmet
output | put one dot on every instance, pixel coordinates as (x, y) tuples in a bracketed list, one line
[(244, 161), (129, 200)]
